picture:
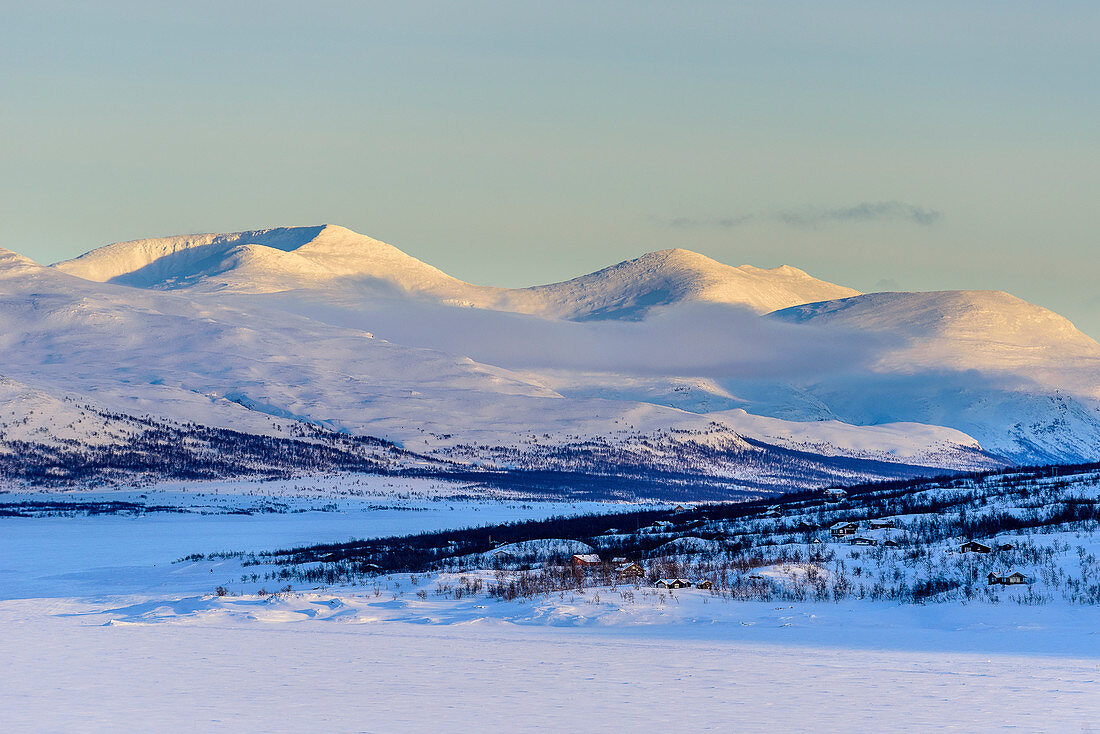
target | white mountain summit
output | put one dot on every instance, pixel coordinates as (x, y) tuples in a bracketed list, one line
[(336, 259)]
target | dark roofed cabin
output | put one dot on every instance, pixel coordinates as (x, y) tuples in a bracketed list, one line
[(1013, 579), (840, 529), (974, 547)]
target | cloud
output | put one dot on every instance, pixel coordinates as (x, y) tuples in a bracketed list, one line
[(698, 340), (716, 222), (810, 217), (866, 211)]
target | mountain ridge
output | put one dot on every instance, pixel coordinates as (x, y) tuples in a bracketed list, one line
[(642, 365), (334, 257)]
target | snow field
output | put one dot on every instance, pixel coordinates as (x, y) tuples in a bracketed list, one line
[(278, 675), (109, 630)]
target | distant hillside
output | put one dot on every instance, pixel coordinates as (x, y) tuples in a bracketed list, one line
[(1030, 536)]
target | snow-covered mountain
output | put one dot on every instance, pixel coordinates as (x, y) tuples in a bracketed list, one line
[(1019, 378), (671, 363), (989, 331), (264, 261), (332, 258), (633, 288), (110, 354)]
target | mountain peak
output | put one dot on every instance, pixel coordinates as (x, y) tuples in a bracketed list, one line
[(965, 329), (12, 263), (255, 261), (631, 289), (330, 257)]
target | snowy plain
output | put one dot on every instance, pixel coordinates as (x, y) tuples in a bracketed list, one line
[(110, 631), (283, 675)]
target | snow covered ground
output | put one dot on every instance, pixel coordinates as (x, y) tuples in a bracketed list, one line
[(59, 556), (293, 673), (110, 631)]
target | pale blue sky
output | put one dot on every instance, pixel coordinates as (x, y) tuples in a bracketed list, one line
[(880, 145)]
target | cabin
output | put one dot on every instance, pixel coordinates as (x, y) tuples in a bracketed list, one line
[(673, 584), (1006, 547), (1013, 579), (705, 585), (882, 524), (974, 547), (805, 527), (629, 571), (841, 529), (863, 541), (835, 493), (584, 560), (889, 544), (679, 508)]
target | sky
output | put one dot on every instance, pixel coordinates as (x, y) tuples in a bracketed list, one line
[(884, 146)]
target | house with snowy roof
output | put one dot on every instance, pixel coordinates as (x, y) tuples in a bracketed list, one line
[(583, 560), (842, 529), (629, 571), (1011, 579)]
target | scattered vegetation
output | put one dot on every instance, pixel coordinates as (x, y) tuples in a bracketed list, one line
[(1040, 521)]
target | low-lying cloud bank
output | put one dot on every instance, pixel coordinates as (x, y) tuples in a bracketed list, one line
[(701, 340)]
